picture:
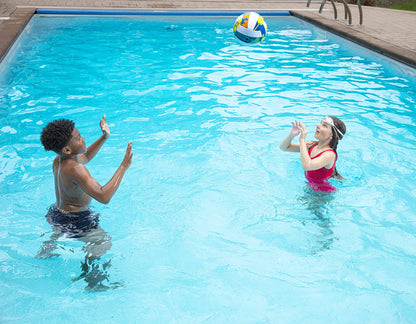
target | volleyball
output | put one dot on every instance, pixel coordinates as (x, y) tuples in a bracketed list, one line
[(250, 27)]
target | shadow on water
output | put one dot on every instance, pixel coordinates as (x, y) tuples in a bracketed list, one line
[(319, 205), (96, 243)]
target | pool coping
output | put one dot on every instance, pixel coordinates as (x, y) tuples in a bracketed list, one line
[(12, 28), (394, 52)]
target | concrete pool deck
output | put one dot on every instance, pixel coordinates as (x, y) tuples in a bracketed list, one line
[(387, 31)]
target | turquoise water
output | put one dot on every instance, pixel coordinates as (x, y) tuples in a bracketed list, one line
[(212, 223)]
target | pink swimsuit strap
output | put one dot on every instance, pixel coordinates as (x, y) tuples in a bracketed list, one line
[(319, 154), (323, 173)]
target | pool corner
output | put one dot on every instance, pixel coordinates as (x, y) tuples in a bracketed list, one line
[(11, 28)]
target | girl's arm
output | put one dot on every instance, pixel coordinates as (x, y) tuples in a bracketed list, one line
[(325, 160), (287, 144)]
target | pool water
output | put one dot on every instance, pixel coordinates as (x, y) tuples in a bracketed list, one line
[(212, 222)]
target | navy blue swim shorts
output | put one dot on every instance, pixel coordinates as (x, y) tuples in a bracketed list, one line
[(74, 224)]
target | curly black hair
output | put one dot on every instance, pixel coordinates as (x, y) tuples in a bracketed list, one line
[(57, 134)]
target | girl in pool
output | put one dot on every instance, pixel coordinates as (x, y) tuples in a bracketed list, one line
[(318, 158)]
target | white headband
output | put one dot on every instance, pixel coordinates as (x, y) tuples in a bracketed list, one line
[(329, 121)]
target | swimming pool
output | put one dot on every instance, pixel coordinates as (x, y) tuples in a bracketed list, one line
[(212, 223)]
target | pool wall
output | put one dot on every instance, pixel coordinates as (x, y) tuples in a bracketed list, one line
[(155, 12)]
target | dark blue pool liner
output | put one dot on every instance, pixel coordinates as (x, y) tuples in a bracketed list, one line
[(54, 11)]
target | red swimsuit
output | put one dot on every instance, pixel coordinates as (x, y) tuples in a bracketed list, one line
[(318, 179)]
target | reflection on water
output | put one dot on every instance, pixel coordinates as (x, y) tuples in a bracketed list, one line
[(95, 274), (319, 205), (94, 271)]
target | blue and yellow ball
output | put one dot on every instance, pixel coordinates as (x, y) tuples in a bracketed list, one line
[(250, 27)]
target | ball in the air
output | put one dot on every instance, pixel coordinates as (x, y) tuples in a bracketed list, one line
[(250, 27)]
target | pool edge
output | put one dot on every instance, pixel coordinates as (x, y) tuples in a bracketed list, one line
[(391, 51), (12, 29), (103, 12)]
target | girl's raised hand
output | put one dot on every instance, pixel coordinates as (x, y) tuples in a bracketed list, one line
[(296, 128)]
